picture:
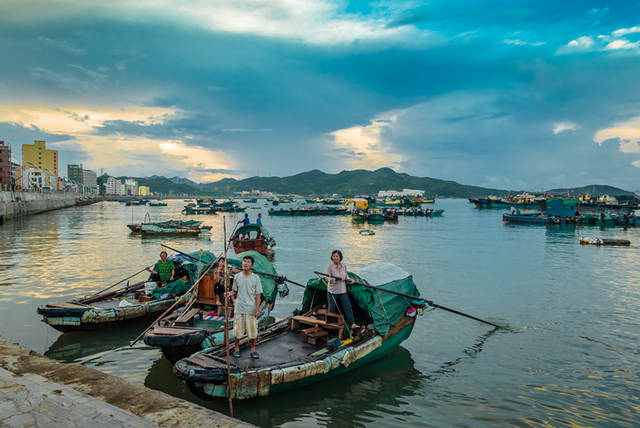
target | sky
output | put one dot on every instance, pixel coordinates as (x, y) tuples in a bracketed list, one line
[(513, 95)]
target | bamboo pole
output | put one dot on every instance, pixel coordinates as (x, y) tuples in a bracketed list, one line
[(113, 285), (226, 319), (195, 284)]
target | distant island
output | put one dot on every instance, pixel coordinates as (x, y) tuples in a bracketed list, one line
[(345, 183)]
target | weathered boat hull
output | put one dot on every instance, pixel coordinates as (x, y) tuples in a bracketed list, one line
[(271, 381), (178, 346), (91, 318)]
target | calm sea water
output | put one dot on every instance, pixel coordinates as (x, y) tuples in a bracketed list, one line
[(570, 356)]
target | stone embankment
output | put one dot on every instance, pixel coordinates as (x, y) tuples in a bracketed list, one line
[(37, 391), (17, 204)]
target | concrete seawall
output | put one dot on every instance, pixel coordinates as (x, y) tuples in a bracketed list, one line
[(37, 391), (17, 204)]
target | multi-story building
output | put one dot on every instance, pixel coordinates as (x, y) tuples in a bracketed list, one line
[(90, 181), (113, 186), (36, 178), (131, 187), (16, 175), (5, 165), (400, 193), (36, 155), (144, 191), (75, 173)]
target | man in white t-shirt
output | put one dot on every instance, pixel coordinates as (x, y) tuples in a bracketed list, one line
[(246, 295)]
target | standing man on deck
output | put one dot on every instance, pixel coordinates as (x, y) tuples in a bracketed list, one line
[(259, 219), (246, 295), (245, 222)]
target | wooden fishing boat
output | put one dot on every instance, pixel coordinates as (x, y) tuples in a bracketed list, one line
[(300, 350), (375, 218), (200, 324), (367, 232), (251, 201), (157, 203), (156, 230), (123, 304), (252, 238), (358, 219), (169, 226)]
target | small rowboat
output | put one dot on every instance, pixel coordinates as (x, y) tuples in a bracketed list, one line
[(605, 241), (367, 232)]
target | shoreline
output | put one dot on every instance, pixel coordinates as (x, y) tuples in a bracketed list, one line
[(36, 390)]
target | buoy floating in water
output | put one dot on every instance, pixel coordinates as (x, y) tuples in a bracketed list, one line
[(367, 232), (605, 241)]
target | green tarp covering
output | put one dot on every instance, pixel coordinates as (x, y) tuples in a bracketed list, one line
[(383, 309), (252, 228), (193, 267), (261, 264)]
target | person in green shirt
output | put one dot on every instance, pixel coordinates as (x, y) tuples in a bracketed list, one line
[(164, 269)]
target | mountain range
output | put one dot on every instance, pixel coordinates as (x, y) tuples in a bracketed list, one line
[(345, 183)]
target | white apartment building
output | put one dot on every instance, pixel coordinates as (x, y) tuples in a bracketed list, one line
[(400, 193)]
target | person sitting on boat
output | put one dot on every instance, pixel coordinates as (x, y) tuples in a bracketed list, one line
[(337, 289), (246, 294), (164, 270)]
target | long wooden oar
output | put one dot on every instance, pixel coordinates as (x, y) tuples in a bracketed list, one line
[(195, 284), (279, 277), (397, 293), (113, 285)]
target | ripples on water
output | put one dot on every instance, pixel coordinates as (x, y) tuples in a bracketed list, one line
[(570, 356)]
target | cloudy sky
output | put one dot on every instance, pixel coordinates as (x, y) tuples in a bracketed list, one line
[(521, 94)]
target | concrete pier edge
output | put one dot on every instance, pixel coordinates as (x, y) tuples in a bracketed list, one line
[(154, 407)]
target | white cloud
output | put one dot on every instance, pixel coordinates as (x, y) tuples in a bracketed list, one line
[(624, 31), (584, 42), (627, 132), (602, 42), (311, 21), (515, 42), (621, 44), (365, 146), (559, 127), (120, 153)]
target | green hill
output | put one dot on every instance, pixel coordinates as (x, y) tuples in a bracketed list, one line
[(345, 183)]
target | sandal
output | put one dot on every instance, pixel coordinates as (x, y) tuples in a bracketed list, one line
[(236, 354), (255, 355)]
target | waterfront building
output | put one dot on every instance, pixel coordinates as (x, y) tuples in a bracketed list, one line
[(400, 193), (89, 181), (40, 179), (131, 187), (37, 156), (74, 173), (144, 191), (16, 175), (113, 186), (5, 165)]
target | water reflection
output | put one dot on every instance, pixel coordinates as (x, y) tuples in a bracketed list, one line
[(75, 345), (378, 390)]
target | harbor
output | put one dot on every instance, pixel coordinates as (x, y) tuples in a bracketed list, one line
[(555, 297)]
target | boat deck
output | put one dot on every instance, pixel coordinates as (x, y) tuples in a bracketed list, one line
[(282, 349)]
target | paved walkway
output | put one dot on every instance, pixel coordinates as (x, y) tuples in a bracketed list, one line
[(30, 400), (36, 391)]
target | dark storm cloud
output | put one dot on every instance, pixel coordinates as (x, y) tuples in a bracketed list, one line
[(478, 105)]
